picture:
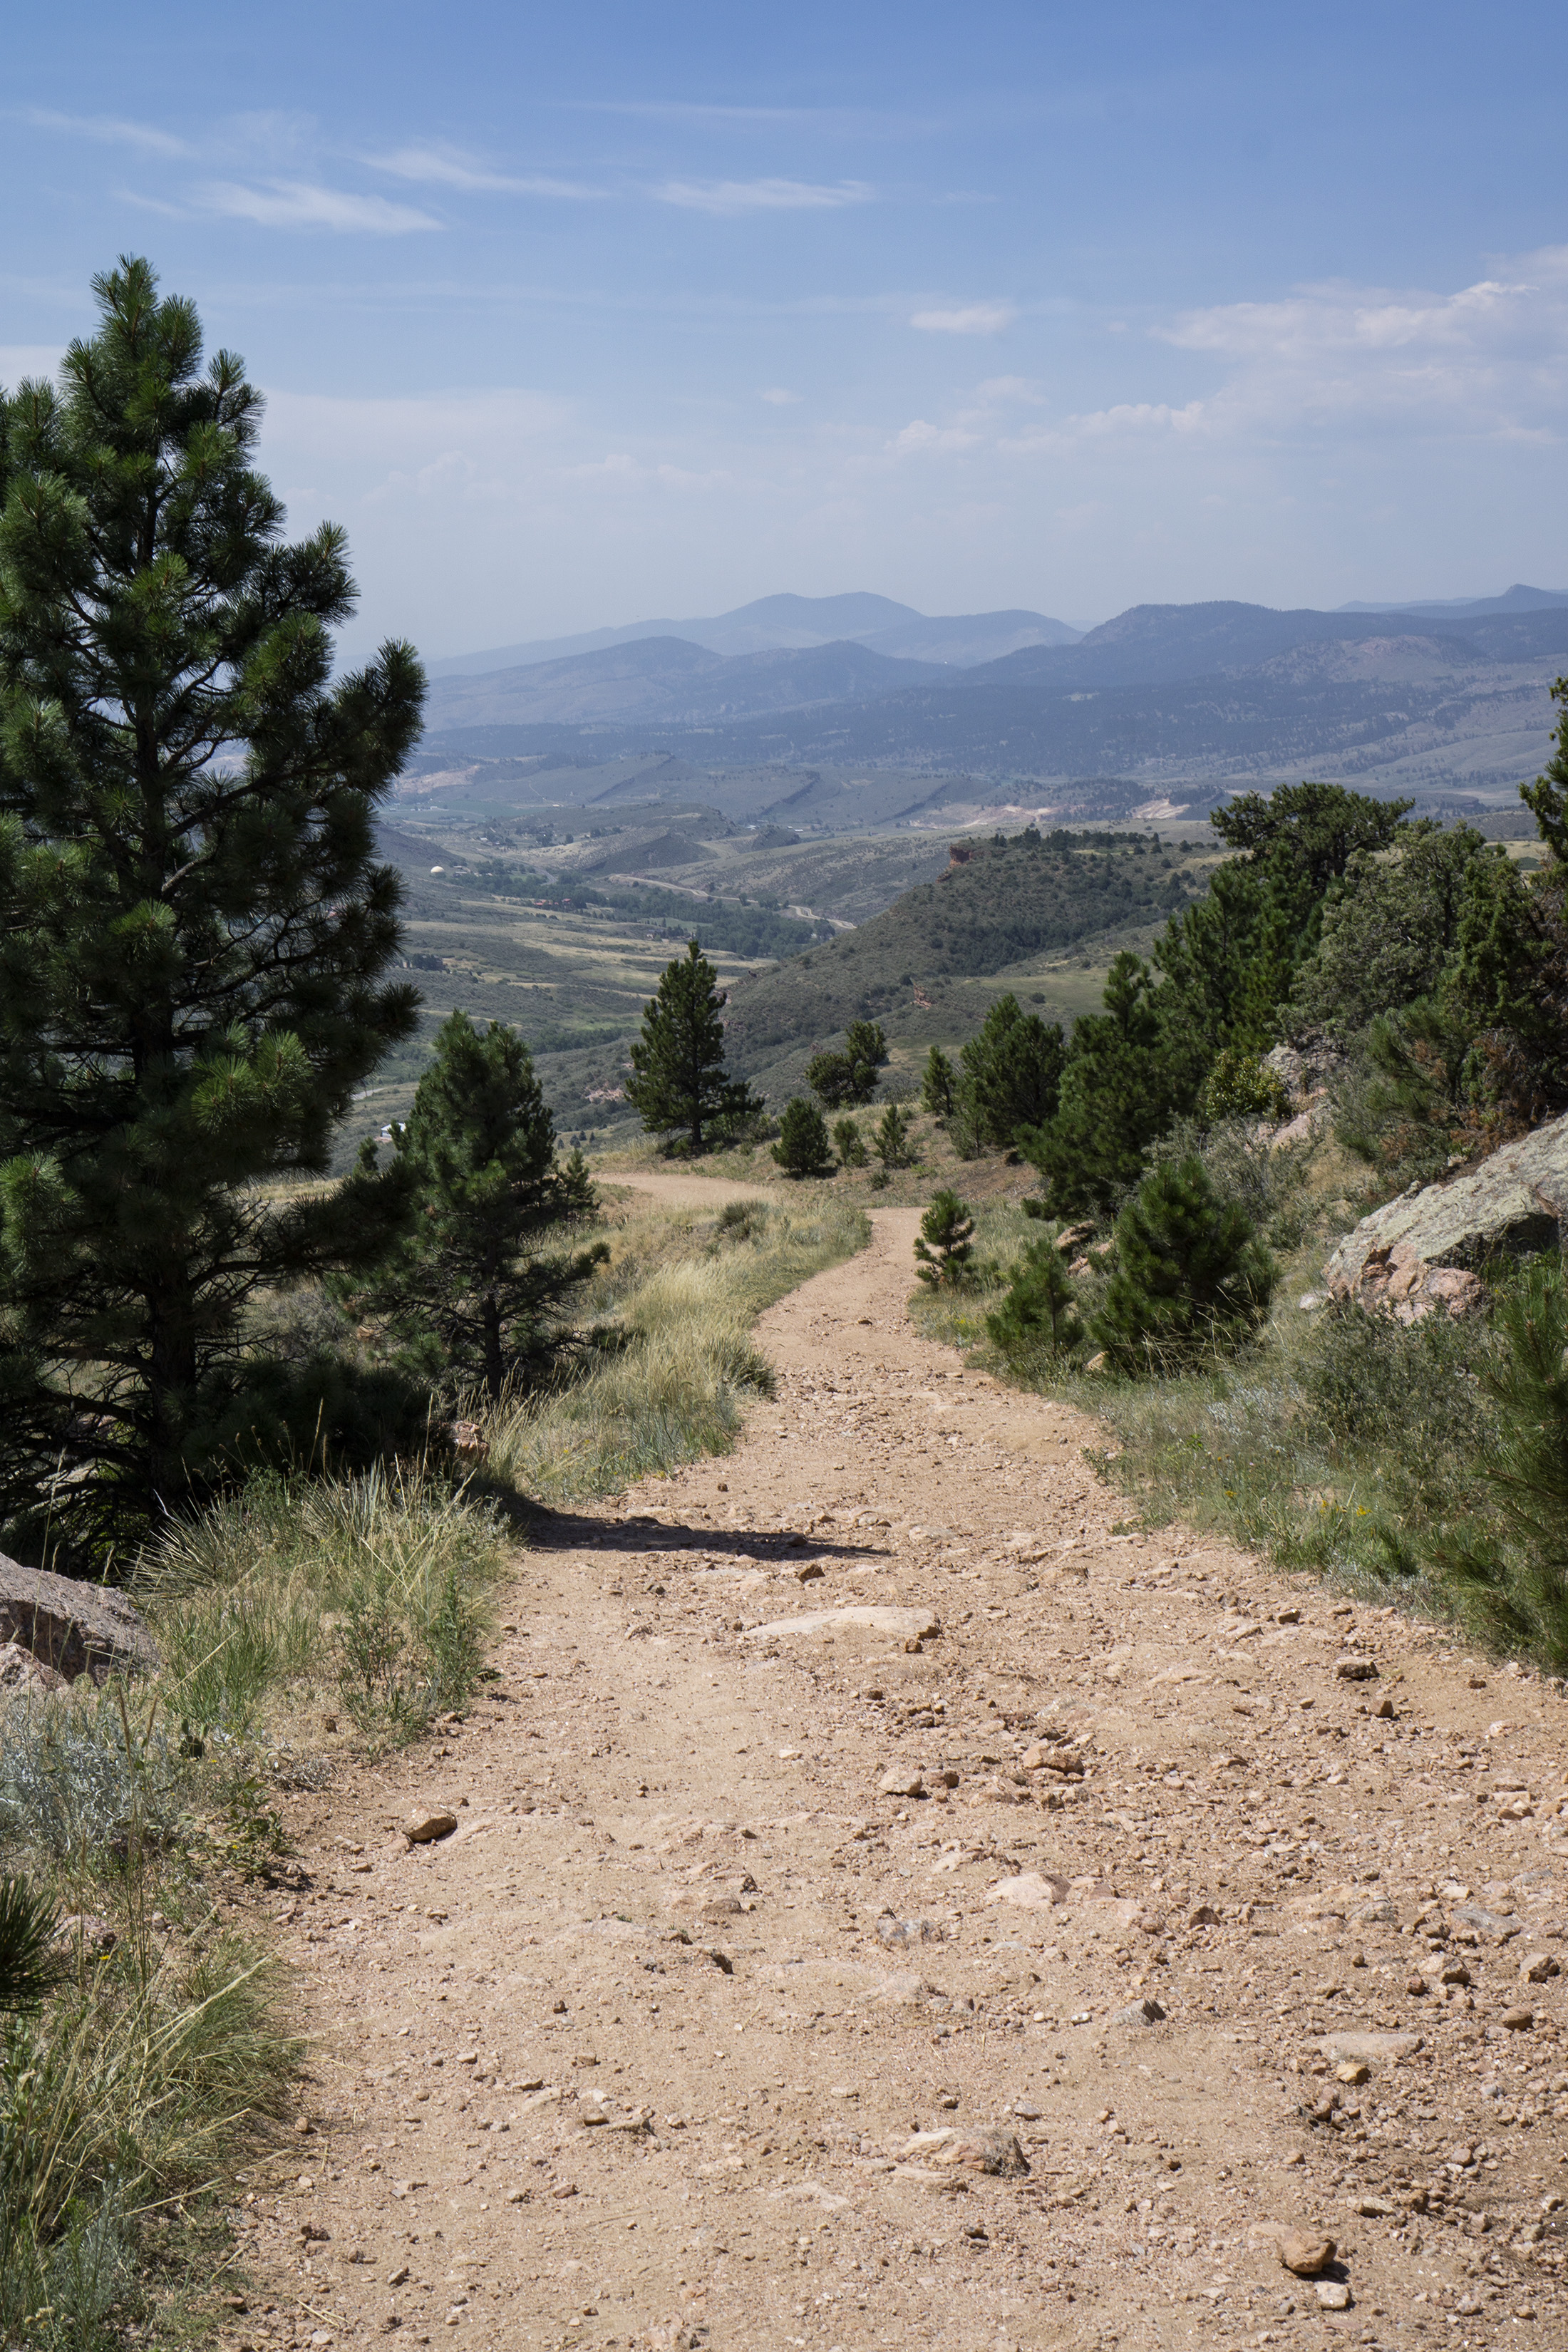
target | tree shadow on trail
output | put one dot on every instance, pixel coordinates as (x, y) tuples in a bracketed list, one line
[(554, 1531)]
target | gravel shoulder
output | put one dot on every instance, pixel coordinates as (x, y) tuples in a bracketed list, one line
[(892, 1901)]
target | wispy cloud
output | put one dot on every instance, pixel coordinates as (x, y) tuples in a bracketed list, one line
[(972, 319), (922, 440), (777, 397), (302, 204), (111, 129), (730, 196), (141, 203), (449, 167), (671, 109)]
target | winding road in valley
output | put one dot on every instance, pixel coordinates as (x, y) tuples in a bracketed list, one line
[(895, 1900)]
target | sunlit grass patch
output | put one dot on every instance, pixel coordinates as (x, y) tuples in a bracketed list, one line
[(676, 1363), (375, 1588)]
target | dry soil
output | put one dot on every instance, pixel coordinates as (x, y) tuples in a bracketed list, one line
[(658, 2047)]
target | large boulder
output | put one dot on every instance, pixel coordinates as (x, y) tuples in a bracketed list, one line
[(1419, 1253), (76, 1629)]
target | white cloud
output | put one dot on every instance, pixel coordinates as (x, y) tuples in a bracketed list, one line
[(1490, 359), (301, 203), (112, 129), (921, 439), (973, 319), (730, 196), (447, 167), (777, 397)]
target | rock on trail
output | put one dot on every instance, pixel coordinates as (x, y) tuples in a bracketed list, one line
[(1034, 1977)]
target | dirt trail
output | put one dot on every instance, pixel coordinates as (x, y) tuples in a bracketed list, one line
[(637, 2056)]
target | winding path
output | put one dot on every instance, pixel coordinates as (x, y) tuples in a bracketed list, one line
[(649, 2052)]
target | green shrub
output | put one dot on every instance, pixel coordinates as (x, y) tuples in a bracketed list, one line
[(944, 1245), (801, 1148), (1240, 1085), (849, 1143), (891, 1139), (742, 1221), (1039, 1315), (1512, 1575), (939, 1085), (849, 1077), (1368, 1382), (1190, 1279)]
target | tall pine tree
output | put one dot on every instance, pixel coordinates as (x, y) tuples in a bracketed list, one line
[(194, 928), (678, 1083)]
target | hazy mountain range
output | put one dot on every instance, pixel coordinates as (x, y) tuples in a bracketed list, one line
[(794, 623), (1439, 698)]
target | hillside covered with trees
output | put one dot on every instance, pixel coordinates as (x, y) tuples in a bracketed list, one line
[(1013, 897)]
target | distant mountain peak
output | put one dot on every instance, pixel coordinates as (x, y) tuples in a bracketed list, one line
[(790, 623), (1517, 599)]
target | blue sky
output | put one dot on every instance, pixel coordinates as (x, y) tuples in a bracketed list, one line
[(575, 316)]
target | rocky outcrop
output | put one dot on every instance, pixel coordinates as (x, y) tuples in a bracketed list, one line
[(1419, 1253), (76, 1629), (1305, 1072)]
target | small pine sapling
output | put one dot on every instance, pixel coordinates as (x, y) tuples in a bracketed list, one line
[(939, 1086), (891, 1139), (849, 1143), (1190, 1278), (803, 1148), (481, 1285), (945, 1246), (1512, 1573), (1039, 1311)]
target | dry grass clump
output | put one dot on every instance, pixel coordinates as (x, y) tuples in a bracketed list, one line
[(673, 1364), (375, 1587), (141, 2052)]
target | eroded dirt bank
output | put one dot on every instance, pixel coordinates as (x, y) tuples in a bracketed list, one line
[(640, 2054)]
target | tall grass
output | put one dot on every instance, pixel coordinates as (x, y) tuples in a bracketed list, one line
[(139, 2080), (675, 1364), (153, 2053), (375, 1587), (142, 2056)]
